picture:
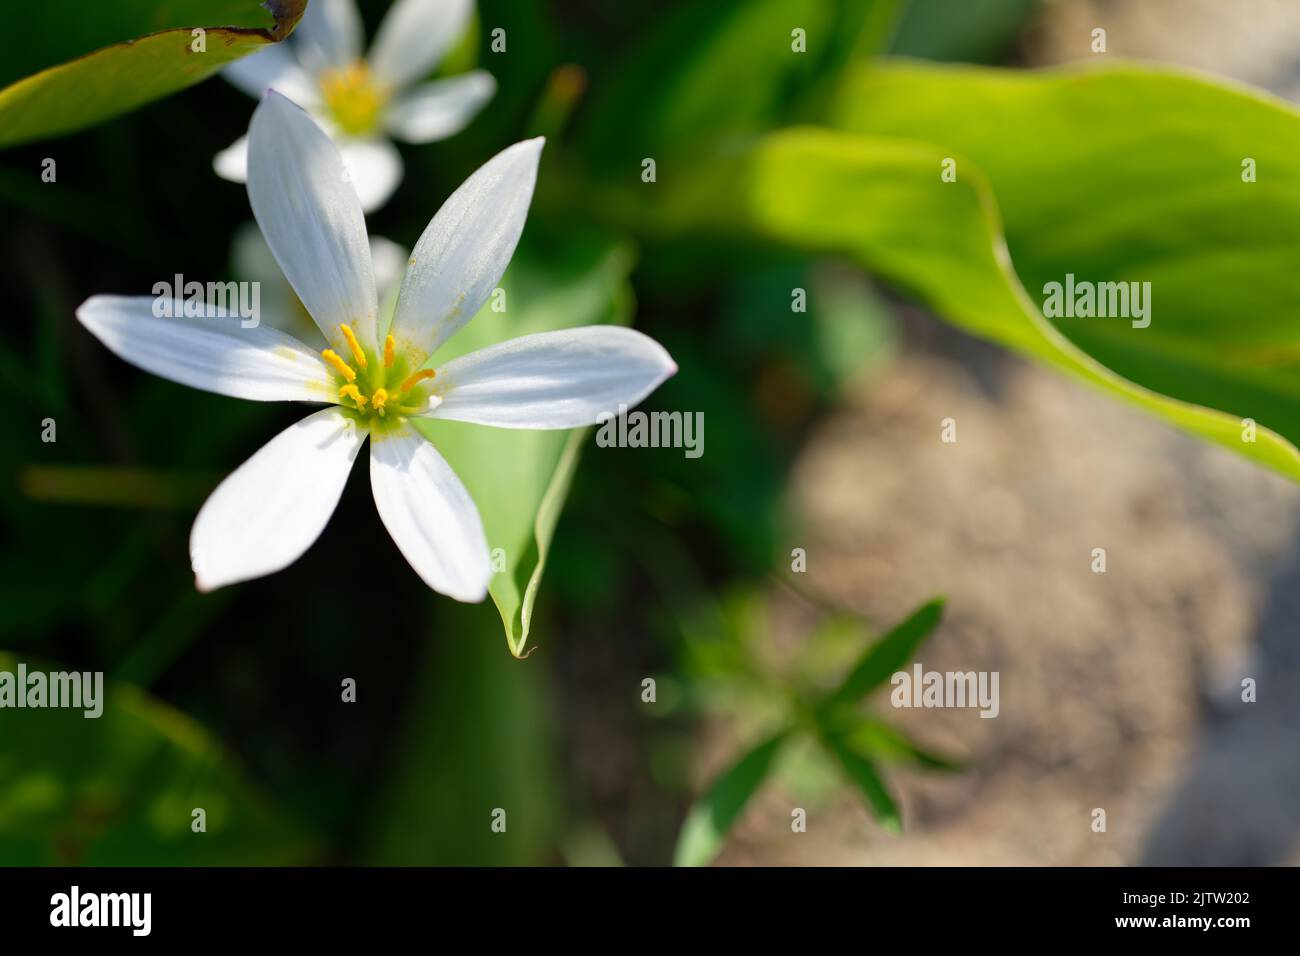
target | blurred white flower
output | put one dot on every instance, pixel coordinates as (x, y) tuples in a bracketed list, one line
[(376, 376), (361, 101), (253, 261)]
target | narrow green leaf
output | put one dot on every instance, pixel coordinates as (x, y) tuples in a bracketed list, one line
[(114, 487), (713, 814), (862, 772), (519, 479), (888, 654), (135, 69), (878, 739)]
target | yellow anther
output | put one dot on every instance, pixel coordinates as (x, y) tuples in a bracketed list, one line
[(415, 379), (354, 345), (380, 399), (390, 349), (354, 393), (340, 366)]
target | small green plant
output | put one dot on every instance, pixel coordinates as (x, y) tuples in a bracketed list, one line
[(857, 743)]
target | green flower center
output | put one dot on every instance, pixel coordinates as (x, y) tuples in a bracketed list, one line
[(378, 389)]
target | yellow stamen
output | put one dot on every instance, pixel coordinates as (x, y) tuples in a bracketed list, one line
[(354, 98), (354, 345), (390, 349), (418, 377), (380, 399), (354, 393), (340, 366)]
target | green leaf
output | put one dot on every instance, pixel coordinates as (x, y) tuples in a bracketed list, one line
[(711, 70), (99, 60), (713, 814), (1098, 173), (1217, 350), (879, 739), (862, 772), (888, 654), (519, 479), (120, 789)]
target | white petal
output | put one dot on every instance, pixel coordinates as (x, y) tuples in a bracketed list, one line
[(311, 218), (232, 162), (434, 111), (214, 354), (563, 379), (271, 508), (465, 249), (375, 168), (429, 514), (273, 67), (413, 37), (330, 33)]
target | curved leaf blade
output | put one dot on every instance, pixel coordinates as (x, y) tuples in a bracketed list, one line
[(116, 79), (880, 201), (1099, 174)]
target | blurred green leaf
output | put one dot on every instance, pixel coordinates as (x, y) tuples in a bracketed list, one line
[(1084, 189), (879, 739), (711, 70), (519, 479), (127, 53), (888, 654), (479, 736), (713, 814), (862, 772), (1213, 248), (120, 789)]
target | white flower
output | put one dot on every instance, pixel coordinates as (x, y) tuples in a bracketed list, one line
[(361, 101), (375, 379)]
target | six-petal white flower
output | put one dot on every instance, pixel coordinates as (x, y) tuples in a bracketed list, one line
[(375, 379), (361, 101)]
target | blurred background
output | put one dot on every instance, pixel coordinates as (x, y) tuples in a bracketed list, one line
[(1118, 691)]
